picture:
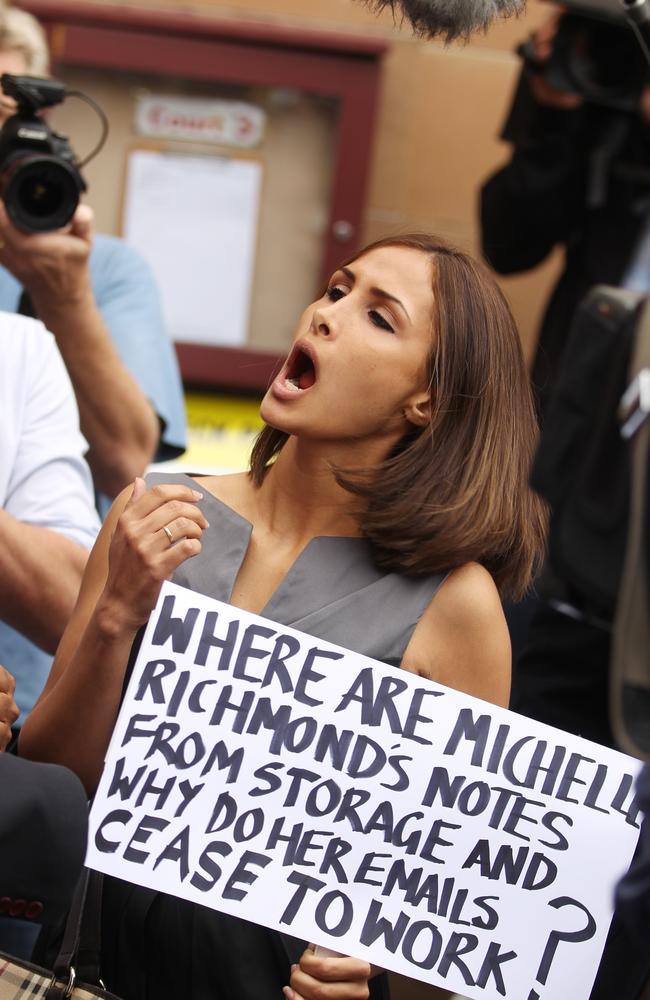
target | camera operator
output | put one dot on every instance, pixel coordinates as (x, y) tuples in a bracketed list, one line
[(579, 176), (98, 298)]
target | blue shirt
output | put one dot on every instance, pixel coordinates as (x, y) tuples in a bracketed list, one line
[(129, 301)]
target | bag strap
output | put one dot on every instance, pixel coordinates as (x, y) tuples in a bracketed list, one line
[(79, 954), (630, 673), (26, 306), (90, 938)]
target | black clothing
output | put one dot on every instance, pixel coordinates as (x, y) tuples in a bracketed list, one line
[(623, 973), (159, 947), (579, 178), (562, 676), (633, 894), (43, 827)]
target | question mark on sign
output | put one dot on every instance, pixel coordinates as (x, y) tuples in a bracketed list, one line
[(554, 938)]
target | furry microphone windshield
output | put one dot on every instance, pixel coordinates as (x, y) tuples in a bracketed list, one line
[(449, 19)]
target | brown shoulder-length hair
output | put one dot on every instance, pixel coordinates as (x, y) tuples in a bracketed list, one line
[(457, 489)]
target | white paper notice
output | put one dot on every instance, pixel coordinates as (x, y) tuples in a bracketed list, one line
[(272, 775), (194, 218)]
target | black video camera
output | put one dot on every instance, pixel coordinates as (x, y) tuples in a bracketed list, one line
[(40, 181), (596, 55)]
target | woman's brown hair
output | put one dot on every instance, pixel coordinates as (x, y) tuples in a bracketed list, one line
[(457, 489)]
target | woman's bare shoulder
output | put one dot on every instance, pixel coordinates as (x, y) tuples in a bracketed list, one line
[(225, 486), (468, 596), (235, 489), (462, 638), (221, 483)]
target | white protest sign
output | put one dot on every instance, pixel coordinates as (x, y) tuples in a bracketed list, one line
[(272, 775)]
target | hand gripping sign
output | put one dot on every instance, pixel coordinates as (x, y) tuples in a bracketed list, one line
[(277, 777)]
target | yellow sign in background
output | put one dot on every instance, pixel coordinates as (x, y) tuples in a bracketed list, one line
[(220, 431)]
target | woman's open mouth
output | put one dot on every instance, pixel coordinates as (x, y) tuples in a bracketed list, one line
[(300, 373)]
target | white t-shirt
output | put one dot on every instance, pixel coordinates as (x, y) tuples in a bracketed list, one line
[(44, 478)]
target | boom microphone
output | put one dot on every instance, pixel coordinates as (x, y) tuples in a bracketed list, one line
[(449, 19)]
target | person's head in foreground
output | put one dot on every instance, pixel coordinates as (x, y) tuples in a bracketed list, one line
[(409, 371), (23, 50)]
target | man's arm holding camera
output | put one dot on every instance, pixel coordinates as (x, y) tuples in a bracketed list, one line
[(117, 419), (40, 575)]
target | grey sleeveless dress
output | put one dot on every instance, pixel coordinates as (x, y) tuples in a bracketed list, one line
[(158, 947)]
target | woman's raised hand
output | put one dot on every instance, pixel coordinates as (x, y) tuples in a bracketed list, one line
[(158, 529), (8, 707), (321, 977)]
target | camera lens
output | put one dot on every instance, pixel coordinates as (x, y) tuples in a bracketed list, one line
[(40, 193), (598, 59), (603, 61)]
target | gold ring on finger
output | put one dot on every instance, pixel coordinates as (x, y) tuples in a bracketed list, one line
[(169, 534)]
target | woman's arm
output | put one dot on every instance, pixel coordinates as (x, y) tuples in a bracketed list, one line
[(462, 638), (74, 717)]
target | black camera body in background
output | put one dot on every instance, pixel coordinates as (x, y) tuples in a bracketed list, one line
[(40, 181), (596, 55)]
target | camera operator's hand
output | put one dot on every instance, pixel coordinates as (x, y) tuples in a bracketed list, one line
[(117, 420), (540, 47), (53, 266)]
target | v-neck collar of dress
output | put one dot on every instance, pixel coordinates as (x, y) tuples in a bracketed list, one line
[(229, 537)]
